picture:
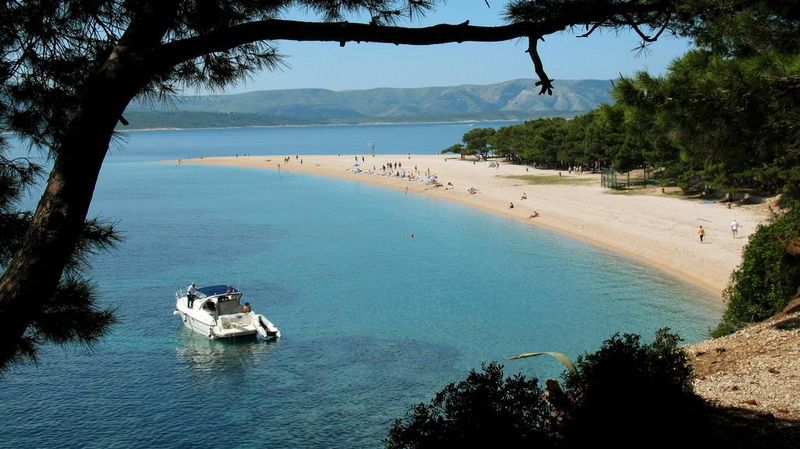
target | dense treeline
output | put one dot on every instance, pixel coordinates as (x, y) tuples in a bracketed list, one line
[(713, 122), (556, 142)]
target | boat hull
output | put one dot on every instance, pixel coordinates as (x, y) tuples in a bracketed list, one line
[(205, 330)]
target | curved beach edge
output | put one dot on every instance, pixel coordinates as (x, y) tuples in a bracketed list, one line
[(652, 227)]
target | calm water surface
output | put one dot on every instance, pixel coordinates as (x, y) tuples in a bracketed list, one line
[(373, 320)]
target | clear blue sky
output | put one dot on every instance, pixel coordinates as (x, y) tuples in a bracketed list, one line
[(604, 55)]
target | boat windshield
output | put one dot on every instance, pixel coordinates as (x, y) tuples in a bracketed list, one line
[(228, 304)]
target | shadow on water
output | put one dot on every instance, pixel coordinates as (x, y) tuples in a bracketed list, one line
[(207, 356)]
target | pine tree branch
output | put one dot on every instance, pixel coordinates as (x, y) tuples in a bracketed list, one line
[(342, 32), (172, 53)]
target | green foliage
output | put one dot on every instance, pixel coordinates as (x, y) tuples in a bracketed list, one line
[(627, 394), (535, 180), (741, 28), (458, 149), (16, 175), (478, 141), (768, 277), (484, 410), (71, 314), (558, 142)]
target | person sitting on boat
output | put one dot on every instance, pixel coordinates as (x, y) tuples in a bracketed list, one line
[(191, 294), (229, 290), (246, 308)]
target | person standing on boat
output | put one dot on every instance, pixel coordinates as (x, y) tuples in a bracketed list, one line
[(191, 294), (246, 308)]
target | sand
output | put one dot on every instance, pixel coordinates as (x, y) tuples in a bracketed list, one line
[(651, 227)]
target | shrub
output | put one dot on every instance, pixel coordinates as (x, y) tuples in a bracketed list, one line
[(767, 278), (627, 394), (486, 409), (630, 394)]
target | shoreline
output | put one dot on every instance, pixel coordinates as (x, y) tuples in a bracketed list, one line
[(456, 122), (655, 230)]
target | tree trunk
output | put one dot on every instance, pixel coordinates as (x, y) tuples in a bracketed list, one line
[(34, 272)]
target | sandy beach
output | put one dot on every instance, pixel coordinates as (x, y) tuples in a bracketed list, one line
[(651, 227)]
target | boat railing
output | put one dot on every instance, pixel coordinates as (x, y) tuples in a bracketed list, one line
[(199, 295)]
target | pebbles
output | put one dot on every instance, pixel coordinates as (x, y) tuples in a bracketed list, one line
[(757, 368)]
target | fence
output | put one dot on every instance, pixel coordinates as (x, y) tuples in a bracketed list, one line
[(639, 178)]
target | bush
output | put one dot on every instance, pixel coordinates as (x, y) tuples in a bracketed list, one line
[(627, 394), (767, 278), (630, 394), (486, 409)]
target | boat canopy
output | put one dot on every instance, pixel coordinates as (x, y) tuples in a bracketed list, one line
[(214, 290)]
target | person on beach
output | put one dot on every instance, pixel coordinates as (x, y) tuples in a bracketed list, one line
[(533, 215), (510, 205), (702, 233), (734, 227), (524, 196)]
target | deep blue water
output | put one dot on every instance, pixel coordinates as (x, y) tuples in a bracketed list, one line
[(373, 320)]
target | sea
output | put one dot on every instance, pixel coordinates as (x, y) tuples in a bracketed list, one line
[(373, 321)]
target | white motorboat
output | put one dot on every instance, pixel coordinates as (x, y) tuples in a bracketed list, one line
[(216, 312)]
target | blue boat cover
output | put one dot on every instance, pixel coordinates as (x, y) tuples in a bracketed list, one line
[(213, 290)]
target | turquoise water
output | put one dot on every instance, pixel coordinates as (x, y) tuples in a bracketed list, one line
[(373, 320)]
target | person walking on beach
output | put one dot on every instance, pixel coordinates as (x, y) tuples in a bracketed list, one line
[(734, 227), (702, 233)]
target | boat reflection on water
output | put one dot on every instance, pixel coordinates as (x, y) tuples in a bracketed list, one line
[(220, 356)]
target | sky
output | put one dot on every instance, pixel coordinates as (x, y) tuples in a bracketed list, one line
[(604, 55)]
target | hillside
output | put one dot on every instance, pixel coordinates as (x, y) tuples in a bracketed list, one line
[(516, 99)]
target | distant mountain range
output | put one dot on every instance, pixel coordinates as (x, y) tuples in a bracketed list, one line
[(517, 99)]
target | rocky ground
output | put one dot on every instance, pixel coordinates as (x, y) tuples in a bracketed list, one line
[(755, 372)]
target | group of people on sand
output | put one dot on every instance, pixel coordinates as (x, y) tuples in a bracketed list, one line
[(524, 197)]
